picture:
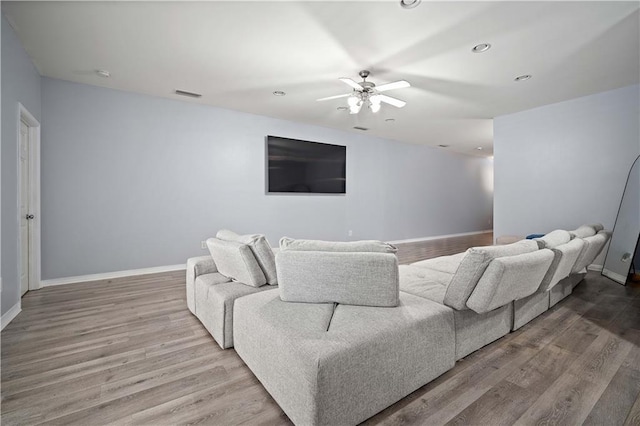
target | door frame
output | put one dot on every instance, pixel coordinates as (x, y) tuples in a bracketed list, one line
[(34, 196)]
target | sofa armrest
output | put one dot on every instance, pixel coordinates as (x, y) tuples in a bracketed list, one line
[(197, 266), (352, 278)]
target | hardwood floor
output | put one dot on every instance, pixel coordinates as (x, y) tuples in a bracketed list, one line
[(127, 351), (427, 249)]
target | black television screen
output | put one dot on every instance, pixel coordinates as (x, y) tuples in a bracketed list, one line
[(305, 167)]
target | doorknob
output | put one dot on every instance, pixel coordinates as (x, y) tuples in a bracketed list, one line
[(29, 216)]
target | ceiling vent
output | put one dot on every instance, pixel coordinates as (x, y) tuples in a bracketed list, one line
[(364, 129), (189, 94)]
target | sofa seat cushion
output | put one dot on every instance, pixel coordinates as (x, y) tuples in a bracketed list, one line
[(423, 282), (236, 261), (215, 297), (328, 364), (448, 264)]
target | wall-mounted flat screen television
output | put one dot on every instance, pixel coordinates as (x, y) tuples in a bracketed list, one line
[(296, 166)]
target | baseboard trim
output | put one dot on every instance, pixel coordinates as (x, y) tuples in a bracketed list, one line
[(616, 277), (596, 268), (11, 314), (111, 275), (438, 237)]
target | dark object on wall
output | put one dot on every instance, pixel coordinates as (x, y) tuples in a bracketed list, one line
[(296, 166)]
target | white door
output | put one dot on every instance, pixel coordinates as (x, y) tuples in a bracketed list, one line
[(24, 207)]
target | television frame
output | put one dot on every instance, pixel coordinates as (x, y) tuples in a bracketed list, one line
[(322, 194)]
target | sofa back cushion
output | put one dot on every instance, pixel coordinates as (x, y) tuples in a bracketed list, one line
[(473, 266), (236, 261), (565, 257), (338, 273), (553, 239), (583, 232), (261, 249), (510, 278), (365, 246), (592, 247)]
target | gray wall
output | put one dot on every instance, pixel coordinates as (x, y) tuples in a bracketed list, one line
[(20, 83), (565, 164), (132, 181)]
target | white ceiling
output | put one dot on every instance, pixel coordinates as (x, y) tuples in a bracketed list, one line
[(237, 53)]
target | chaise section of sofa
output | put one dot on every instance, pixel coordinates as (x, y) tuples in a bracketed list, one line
[(337, 364), (479, 285)]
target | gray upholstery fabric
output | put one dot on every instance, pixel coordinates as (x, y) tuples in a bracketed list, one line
[(509, 278), (220, 309), (553, 239), (424, 282), (524, 310), (203, 311), (287, 243), (368, 279), (583, 232), (592, 247), (597, 227), (327, 366), (197, 266), (448, 264), (236, 261), (564, 260), (260, 248), (562, 289), (473, 266), (474, 331)]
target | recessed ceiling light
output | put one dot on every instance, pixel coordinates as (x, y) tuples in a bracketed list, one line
[(479, 148), (444, 146), (409, 4), (342, 108), (103, 73), (524, 77), (482, 47), (390, 120), (360, 128), (279, 93)]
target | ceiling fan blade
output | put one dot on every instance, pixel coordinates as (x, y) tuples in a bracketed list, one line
[(395, 85), (391, 101), (350, 83), (333, 97)]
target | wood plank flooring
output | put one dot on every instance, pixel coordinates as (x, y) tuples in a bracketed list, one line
[(427, 249), (127, 351)]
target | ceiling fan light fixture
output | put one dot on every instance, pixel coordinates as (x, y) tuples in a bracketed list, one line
[(409, 4), (352, 101), (375, 107)]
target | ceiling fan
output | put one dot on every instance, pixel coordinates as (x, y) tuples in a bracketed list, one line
[(368, 93)]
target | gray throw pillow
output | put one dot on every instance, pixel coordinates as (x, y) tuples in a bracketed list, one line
[(236, 261)]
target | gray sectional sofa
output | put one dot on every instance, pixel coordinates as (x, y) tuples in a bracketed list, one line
[(348, 332)]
